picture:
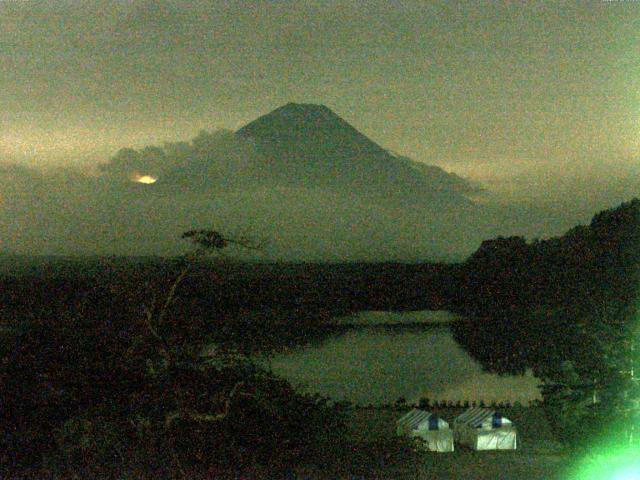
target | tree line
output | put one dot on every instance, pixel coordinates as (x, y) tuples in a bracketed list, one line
[(140, 391), (567, 307)]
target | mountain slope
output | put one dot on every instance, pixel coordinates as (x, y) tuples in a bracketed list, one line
[(300, 176), (307, 145)]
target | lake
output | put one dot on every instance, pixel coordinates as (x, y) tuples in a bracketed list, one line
[(388, 355)]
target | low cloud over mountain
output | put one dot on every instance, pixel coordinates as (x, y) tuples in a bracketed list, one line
[(300, 176)]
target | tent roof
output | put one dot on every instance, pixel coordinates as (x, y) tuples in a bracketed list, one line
[(478, 416), (416, 418)]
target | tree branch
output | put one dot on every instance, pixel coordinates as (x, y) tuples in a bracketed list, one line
[(205, 417)]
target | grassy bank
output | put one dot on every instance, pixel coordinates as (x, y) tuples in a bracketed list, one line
[(375, 452)]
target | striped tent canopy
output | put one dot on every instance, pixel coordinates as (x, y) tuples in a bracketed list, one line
[(483, 418), (421, 420)]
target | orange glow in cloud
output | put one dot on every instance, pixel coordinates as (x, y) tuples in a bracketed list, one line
[(146, 179)]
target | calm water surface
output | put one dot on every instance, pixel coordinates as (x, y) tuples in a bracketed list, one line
[(381, 360)]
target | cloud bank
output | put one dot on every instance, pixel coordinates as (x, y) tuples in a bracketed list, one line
[(218, 180)]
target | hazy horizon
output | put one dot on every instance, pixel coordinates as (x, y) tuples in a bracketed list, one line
[(539, 103)]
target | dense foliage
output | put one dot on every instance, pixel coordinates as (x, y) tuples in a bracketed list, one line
[(108, 389), (566, 307)]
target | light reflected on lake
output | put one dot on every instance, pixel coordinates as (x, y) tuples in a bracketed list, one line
[(375, 364)]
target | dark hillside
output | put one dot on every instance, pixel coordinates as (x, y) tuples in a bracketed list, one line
[(231, 290), (568, 308)]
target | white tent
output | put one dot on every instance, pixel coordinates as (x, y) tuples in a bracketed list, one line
[(434, 433), (484, 429)]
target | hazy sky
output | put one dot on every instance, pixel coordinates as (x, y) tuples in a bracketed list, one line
[(535, 99), (445, 82)]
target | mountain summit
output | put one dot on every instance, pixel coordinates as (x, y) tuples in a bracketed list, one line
[(297, 125), (308, 145)]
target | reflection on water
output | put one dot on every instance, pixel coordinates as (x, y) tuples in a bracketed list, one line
[(378, 365)]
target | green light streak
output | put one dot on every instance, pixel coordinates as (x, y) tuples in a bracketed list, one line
[(623, 464)]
